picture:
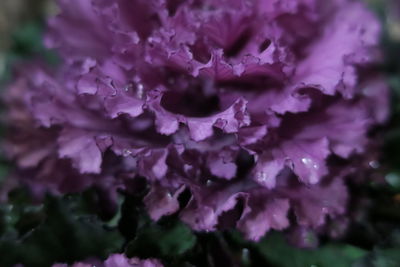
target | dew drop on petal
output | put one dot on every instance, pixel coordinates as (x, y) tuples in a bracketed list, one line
[(128, 87), (374, 164), (261, 176), (126, 152), (309, 163), (140, 91)]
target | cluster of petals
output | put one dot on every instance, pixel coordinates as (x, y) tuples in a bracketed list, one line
[(237, 113), (115, 260)]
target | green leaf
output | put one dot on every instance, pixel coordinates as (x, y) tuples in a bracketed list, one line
[(386, 255), (162, 241), (61, 237), (278, 252)]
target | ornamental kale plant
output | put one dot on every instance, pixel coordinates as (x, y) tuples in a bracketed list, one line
[(230, 114)]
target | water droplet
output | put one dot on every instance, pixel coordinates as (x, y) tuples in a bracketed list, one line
[(309, 163), (126, 152), (374, 164), (209, 183), (169, 195), (265, 180), (128, 87), (140, 91), (262, 176)]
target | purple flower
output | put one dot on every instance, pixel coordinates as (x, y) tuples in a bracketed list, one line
[(246, 107), (116, 260)]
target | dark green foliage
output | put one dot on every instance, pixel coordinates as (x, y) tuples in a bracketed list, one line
[(274, 247), (27, 43), (54, 232), (168, 241)]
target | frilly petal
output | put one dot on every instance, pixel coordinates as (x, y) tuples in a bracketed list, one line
[(229, 120), (82, 149), (265, 215)]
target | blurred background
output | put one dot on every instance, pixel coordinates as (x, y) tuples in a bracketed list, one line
[(68, 229), (17, 16)]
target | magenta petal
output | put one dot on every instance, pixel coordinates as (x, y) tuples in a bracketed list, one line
[(82, 149), (271, 214)]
